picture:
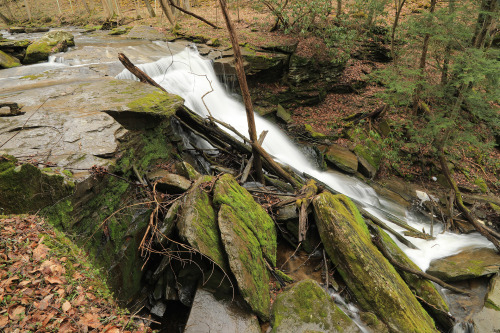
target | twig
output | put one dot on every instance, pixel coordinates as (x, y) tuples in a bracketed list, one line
[(193, 15), (247, 169)]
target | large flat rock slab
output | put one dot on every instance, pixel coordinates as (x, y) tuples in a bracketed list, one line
[(65, 124), (467, 264)]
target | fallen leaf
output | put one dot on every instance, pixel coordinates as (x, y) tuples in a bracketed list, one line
[(66, 327), (3, 321), (113, 329), (16, 312), (48, 318), (40, 252), (24, 283), (44, 303), (66, 306), (90, 320), (54, 280)]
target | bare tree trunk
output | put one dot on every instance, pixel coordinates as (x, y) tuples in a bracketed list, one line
[(28, 9), (484, 22), (447, 49), (118, 9), (398, 4), (339, 8), (240, 72), (167, 11), (5, 19), (87, 8), (423, 61), (9, 12), (71, 5), (193, 14), (150, 9)]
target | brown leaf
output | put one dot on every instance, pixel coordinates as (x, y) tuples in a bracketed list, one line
[(54, 280), (79, 300), (40, 252), (66, 327), (44, 303), (51, 268), (16, 312), (113, 329), (3, 321), (24, 283), (66, 306), (90, 320), (48, 318)]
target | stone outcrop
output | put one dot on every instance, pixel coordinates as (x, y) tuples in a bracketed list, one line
[(467, 264), (306, 307), (373, 281), (8, 61), (51, 42), (341, 158)]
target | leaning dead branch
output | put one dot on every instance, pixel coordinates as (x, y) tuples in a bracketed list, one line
[(376, 240), (172, 3), (143, 77)]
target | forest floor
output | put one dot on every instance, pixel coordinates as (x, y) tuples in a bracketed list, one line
[(48, 285)]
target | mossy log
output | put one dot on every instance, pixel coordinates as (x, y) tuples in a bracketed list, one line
[(374, 282)]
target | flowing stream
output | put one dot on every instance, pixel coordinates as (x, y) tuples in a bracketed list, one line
[(190, 76)]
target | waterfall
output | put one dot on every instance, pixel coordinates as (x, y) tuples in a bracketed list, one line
[(190, 76)]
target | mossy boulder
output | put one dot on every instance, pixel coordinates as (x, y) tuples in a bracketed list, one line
[(342, 158), (466, 265), (197, 223), (369, 160), (306, 307), (8, 61), (422, 287), (370, 277), (51, 42), (27, 189), (228, 191), (246, 260), (488, 319)]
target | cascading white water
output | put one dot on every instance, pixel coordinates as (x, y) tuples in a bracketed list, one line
[(190, 76)]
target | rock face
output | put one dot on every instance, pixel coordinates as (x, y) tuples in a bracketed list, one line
[(422, 287), (27, 189), (228, 191), (209, 314), (8, 61), (197, 223), (342, 158), (374, 282), (467, 264), (306, 307), (51, 42), (488, 319), (246, 261)]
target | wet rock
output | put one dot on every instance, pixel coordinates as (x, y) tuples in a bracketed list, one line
[(342, 158), (306, 307), (283, 114), (305, 70), (172, 183), (119, 31), (159, 309), (209, 314), (197, 223), (17, 30), (466, 265), (396, 190), (369, 160), (228, 191), (186, 170), (375, 284), (8, 61), (36, 29), (488, 319), (246, 261), (51, 42), (422, 287), (288, 212)]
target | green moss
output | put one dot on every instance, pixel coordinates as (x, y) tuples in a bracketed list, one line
[(67, 173), (313, 133), (491, 305), (306, 306), (283, 276), (228, 191), (373, 281), (8, 61), (246, 261), (33, 77), (158, 102), (26, 188), (481, 184), (371, 155)]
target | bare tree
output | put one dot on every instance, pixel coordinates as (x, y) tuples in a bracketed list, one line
[(150, 9), (240, 72), (5, 19), (28, 9), (398, 5), (165, 7)]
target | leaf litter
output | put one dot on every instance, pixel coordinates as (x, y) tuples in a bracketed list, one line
[(44, 289)]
